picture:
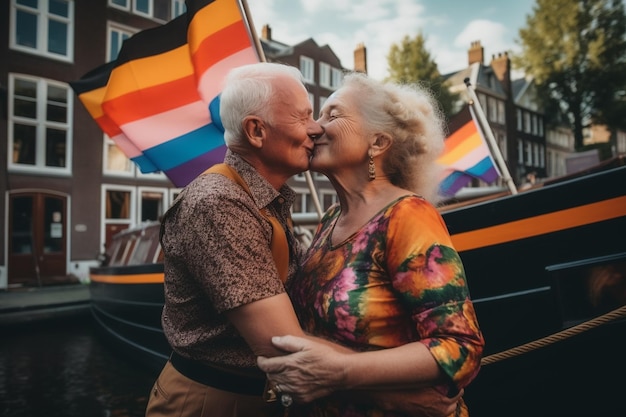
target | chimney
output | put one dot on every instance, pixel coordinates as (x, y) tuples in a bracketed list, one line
[(266, 33), (360, 58), (501, 66), (476, 53)]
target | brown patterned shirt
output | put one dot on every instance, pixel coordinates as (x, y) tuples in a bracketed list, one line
[(218, 257)]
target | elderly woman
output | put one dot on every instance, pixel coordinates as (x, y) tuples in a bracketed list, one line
[(381, 276)]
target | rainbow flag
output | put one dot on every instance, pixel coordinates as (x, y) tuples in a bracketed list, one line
[(466, 154), (159, 101)]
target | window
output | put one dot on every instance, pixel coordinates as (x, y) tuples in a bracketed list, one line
[(519, 121), (117, 35), (116, 163), (143, 7), (118, 204), (43, 27), (307, 68), (501, 117), (329, 198), (40, 123), (152, 203), (324, 75), (520, 151), (535, 154), (337, 77), (178, 8), (146, 8), (121, 4), (493, 109), (529, 153)]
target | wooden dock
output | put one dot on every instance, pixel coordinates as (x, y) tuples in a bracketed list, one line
[(29, 304)]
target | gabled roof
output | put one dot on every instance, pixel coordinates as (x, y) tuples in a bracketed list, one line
[(274, 49), (482, 77)]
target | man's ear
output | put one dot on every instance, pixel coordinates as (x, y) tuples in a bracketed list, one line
[(254, 129)]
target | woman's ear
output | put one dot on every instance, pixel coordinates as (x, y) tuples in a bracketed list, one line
[(254, 129), (382, 142)]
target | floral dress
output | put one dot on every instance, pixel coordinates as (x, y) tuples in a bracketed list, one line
[(396, 280)]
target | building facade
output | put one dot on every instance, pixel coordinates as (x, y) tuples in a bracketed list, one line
[(66, 188)]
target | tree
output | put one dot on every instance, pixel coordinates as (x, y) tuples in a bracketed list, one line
[(576, 52), (410, 62)]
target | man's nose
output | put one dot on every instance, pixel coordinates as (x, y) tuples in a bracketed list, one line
[(316, 130)]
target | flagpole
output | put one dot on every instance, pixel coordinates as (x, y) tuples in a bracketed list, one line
[(495, 149), (259, 47)]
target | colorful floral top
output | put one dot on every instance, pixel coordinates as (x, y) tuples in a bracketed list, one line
[(396, 280)]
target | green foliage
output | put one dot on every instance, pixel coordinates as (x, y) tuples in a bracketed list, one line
[(576, 52), (410, 63)]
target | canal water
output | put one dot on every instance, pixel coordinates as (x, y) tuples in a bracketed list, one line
[(62, 369)]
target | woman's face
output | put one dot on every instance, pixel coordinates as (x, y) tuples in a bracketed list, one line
[(344, 144)]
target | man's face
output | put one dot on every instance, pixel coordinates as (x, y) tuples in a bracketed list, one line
[(289, 147)]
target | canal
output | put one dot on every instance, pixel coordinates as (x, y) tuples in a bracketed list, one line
[(62, 369)]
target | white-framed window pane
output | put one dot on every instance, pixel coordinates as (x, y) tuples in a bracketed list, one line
[(324, 75), (115, 161), (307, 67), (26, 29), (520, 151), (118, 204), (43, 27), (39, 125), (117, 36), (124, 4), (143, 7), (337, 77), (152, 203), (178, 8)]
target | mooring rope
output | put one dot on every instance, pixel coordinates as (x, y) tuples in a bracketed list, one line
[(556, 337)]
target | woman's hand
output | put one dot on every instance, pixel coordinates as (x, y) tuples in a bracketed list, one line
[(312, 369)]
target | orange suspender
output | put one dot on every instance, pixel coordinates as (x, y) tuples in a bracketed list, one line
[(280, 249)]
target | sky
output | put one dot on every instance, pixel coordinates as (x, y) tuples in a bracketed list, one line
[(449, 26)]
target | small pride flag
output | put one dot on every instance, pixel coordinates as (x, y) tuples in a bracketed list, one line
[(466, 154)]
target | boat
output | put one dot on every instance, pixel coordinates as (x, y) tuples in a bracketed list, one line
[(535, 262), (546, 269), (127, 298)]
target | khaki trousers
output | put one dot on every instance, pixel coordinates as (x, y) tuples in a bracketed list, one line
[(173, 394)]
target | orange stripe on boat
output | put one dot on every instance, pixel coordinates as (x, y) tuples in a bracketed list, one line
[(156, 278), (542, 224)]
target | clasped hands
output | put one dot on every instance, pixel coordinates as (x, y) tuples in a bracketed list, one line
[(311, 370)]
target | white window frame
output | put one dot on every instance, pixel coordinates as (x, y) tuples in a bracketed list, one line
[(118, 30), (178, 8), (149, 13), (336, 78), (103, 198), (325, 79), (165, 199), (128, 173), (125, 6), (307, 68), (41, 126), (44, 17)]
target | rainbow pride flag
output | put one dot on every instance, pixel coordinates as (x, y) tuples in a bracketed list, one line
[(466, 154), (159, 101)]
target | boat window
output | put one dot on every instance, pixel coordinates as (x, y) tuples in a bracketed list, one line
[(588, 289)]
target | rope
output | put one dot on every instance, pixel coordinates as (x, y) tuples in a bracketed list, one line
[(562, 335)]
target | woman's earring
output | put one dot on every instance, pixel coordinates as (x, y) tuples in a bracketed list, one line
[(371, 168)]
